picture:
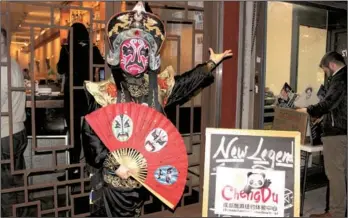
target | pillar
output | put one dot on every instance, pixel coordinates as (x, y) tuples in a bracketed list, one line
[(229, 91)]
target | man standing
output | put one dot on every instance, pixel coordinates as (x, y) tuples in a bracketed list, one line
[(19, 134), (333, 108)]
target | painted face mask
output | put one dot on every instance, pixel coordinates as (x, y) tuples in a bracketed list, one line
[(122, 127), (134, 56), (166, 175), (156, 140)]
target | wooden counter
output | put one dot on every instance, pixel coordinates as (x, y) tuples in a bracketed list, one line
[(46, 101)]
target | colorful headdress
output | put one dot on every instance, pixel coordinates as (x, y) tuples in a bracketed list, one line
[(136, 24)]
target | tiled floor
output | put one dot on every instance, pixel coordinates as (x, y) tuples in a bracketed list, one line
[(314, 202)]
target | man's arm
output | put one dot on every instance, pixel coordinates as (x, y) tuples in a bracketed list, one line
[(333, 95)]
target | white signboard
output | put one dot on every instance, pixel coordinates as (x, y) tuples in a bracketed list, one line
[(249, 192)]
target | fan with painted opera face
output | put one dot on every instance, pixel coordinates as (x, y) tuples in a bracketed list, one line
[(147, 143)]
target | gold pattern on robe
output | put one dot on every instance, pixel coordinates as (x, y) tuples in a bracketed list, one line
[(165, 84), (210, 65), (100, 91), (105, 92), (111, 164)]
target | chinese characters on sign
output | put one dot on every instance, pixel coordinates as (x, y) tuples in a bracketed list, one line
[(252, 193)]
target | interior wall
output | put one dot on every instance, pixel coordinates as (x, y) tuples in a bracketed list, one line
[(50, 51), (21, 57), (312, 47), (278, 45), (170, 48)]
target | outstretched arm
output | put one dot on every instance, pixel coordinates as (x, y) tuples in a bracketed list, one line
[(192, 82)]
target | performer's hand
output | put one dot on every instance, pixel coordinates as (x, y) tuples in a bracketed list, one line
[(123, 172), (302, 110), (217, 58)]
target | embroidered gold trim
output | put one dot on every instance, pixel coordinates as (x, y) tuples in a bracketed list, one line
[(111, 164), (117, 182), (166, 83), (99, 90), (137, 212), (210, 65), (136, 90)]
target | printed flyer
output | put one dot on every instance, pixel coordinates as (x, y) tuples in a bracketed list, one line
[(249, 192), (286, 97)]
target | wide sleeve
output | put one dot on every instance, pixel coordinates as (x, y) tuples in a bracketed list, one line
[(63, 63), (191, 83), (94, 150)]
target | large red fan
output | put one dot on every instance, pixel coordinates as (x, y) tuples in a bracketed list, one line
[(146, 142)]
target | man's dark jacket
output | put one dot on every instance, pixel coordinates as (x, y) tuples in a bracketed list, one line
[(334, 106)]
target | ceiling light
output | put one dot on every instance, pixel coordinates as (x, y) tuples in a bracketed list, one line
[(39, 13), (17, 43)]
